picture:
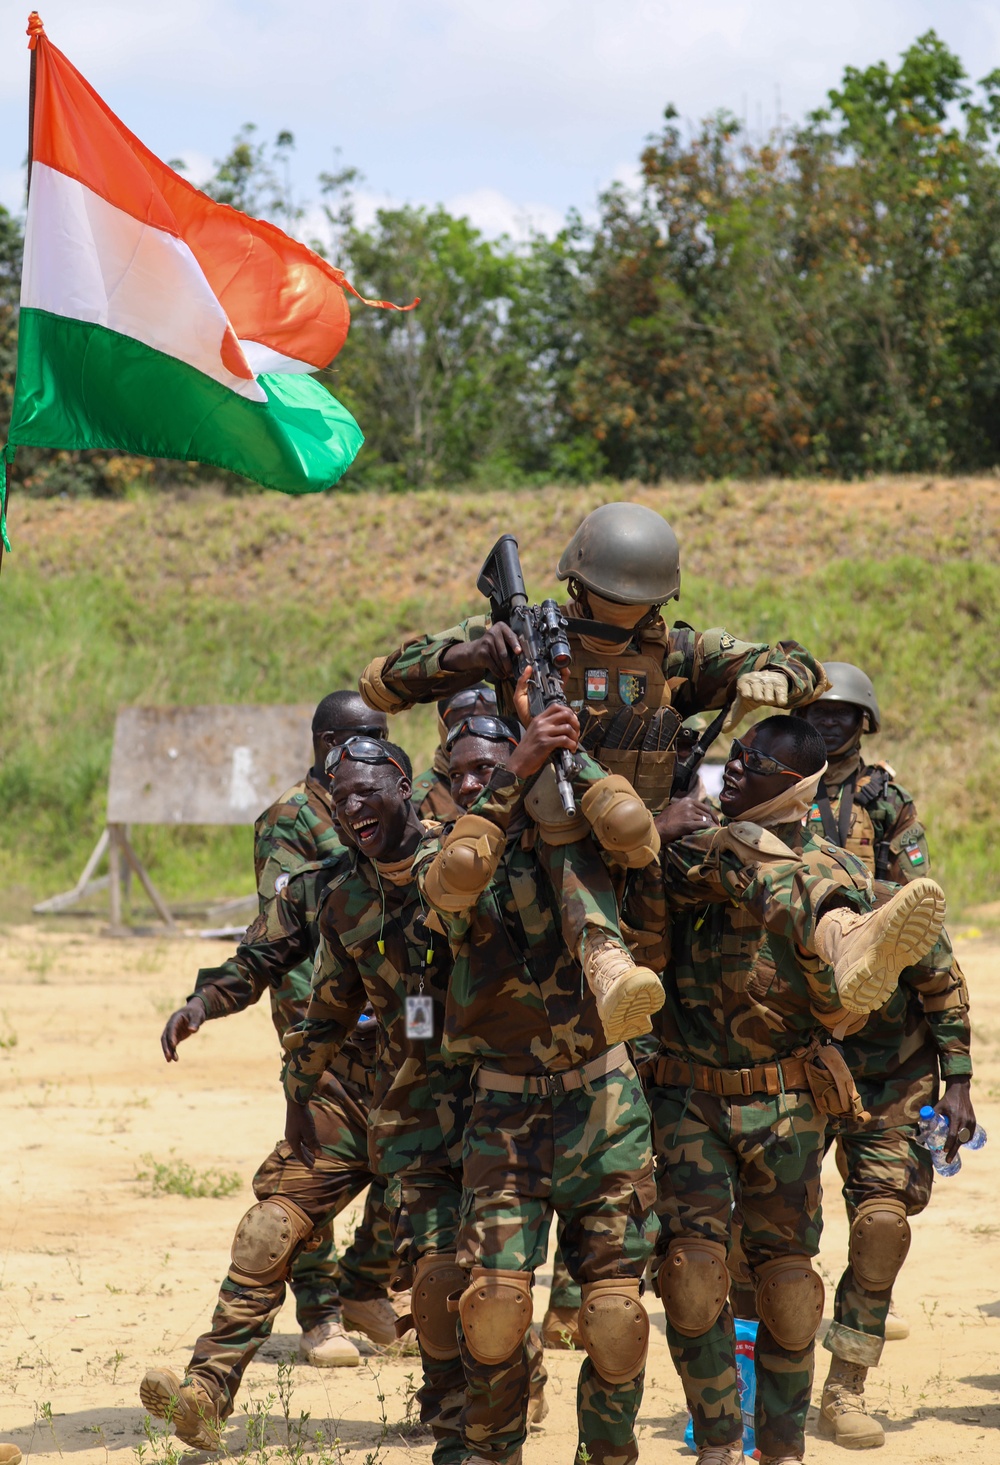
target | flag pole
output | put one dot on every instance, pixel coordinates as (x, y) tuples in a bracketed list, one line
[(35, 29)]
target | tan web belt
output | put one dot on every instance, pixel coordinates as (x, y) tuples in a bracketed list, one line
[(555, 1083), (727, 1083)]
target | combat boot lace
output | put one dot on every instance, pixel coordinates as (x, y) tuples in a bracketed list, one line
[(896, 1328), (868, 952), (191, 1411), (328, 1346), (842, 1416), (731, 1454), (626, 994), (375, 1317)]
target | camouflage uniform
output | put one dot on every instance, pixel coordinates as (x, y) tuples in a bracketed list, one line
[(545, 1134), (896, 1058), (297, 830), (375, 947), (277, 943), (663, 674), (732, 1111)]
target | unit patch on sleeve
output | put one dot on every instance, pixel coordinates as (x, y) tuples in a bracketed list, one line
[(595, 683)]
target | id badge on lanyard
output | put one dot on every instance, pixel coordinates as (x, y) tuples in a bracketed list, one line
[(419, 1012)]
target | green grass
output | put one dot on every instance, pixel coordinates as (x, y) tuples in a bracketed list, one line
[(266, 600), (177, 1177)]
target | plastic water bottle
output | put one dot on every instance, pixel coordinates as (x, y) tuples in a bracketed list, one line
[(932, 1132), (746, 1383), (978, 1139)]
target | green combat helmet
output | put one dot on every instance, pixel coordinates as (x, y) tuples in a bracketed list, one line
[(850, 684), (624, 552)]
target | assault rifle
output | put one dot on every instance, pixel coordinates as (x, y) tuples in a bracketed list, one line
[(541, 630)]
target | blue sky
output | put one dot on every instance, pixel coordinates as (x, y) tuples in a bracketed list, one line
[(510, 112)]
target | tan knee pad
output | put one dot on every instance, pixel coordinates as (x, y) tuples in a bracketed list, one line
[(790, 1300), (266, 1240), (466, 864), (545, 806), (880, 1239), (693, 1283), (435, 1277), (614, 1327), (621, 822), (495, 1310)]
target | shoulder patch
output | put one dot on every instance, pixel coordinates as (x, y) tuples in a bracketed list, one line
[(280, 882)]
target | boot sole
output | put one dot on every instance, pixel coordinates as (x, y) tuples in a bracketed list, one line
[(158, 1391), (630, 1005), (828, 1431), (914, 919)]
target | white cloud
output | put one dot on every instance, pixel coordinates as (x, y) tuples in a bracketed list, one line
[(513, 110)]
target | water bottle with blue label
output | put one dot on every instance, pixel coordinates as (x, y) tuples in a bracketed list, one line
[(932, 1133), (746, 1382)]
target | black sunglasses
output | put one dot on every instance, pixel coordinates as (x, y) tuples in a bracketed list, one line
[(376, 733), (755, 762), (360, 750), (493, 729)]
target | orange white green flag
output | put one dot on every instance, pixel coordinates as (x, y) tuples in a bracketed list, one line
[(156, 321)]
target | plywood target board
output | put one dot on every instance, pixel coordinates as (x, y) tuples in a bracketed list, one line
[(205, 765)]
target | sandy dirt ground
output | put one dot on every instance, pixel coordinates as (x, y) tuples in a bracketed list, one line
[(99, 1278)]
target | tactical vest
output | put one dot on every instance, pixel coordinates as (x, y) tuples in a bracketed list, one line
[(862, 838), (619, 697)]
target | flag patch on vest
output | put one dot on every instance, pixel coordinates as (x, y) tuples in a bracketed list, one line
[(916, 855), (595, 683), (631, 687)]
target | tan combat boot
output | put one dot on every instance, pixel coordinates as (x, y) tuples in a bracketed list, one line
[(376, 1318), (868, 952), (842, 1416), (721, 1454), (896, 1328), (190, 1410), (9, 1454), (626, 994), (561, 1328), (328, 1346)]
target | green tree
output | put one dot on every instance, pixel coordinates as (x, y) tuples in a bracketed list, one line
[(436, 390)]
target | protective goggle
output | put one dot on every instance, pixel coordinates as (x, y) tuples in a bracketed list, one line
[(465, 703), (377, 734), (755, 762), (493, 729), (360, 750)]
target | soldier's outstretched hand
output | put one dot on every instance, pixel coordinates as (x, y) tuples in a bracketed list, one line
[(300, 1133), (492, 654), (180, 1025)]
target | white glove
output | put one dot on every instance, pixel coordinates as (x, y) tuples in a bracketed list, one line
[(756, 689)]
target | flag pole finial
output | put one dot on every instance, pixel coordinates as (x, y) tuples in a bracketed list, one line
[(35, 29)]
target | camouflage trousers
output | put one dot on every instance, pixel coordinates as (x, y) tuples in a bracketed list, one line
[(320, 1277), (565, 1292), (883, 1162), (425, 1205), (244, 1316), (584, 1157), (766, 1152)]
